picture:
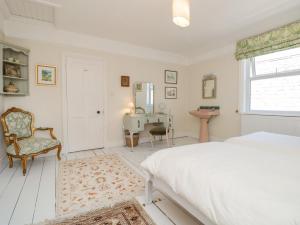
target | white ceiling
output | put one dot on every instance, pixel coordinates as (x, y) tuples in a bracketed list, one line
[(148, 23)]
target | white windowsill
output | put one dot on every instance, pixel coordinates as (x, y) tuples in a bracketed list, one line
[(280, 114)]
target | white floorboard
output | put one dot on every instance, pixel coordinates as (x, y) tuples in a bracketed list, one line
[(155, 214), (24, 210), (98, 152), (31, 198), (5, 177), (46, 195), (175, 213), (11, 194)]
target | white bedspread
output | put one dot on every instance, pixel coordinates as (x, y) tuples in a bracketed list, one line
[(233, 184)]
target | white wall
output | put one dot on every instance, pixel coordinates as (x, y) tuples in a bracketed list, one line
[(46, 102), (230, 123), (226, 69), (276, 124), (2, 152)]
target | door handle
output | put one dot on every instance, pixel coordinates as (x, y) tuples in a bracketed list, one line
[(98, 112)]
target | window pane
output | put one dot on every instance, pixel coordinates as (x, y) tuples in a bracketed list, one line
[(276, 94), (278, 62)]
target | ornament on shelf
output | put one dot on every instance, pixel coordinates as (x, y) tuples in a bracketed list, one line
[(11, 87)]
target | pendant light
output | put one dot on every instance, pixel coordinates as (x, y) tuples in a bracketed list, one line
[(181, 12)]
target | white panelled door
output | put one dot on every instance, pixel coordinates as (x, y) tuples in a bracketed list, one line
[(85, 104)]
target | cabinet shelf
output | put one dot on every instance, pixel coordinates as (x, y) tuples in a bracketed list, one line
[(14, 63), (13, 94), (14, 78)]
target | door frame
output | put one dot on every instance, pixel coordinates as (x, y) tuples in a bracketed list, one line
[(96, 59)]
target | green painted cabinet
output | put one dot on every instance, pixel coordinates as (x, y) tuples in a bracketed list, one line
[(14, 71)]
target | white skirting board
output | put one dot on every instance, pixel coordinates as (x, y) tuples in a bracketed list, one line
[(276, 124)]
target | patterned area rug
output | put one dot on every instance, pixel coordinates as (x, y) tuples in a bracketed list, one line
[(127, 213), (95, 183)]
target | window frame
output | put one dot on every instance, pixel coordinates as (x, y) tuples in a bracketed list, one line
[(247, 71)]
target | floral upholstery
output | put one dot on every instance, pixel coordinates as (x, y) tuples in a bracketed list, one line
[(33, 145), (19, 123)]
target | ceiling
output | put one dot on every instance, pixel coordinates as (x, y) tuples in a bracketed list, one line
[(148, 23)]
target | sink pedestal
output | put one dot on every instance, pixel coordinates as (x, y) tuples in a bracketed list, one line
[(204, 115), (203, 133)]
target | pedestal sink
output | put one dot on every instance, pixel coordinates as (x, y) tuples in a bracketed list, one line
[(204, 115)]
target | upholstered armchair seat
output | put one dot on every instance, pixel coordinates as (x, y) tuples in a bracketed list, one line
[(33, 145)]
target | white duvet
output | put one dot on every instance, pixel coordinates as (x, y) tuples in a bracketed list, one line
[(234, 182)]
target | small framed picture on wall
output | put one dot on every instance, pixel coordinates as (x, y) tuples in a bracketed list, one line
[(171, 77), (45, 75), (125, 81), (170, 92)]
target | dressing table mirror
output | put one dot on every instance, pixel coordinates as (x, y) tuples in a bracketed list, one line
[(143, 93), (209, 85)]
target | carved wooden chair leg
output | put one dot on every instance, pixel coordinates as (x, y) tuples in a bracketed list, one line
[(24, 165), (32, 158), (10, 161), (58, 152)]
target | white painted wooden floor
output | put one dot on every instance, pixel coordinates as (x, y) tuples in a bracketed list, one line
[(31, 198)]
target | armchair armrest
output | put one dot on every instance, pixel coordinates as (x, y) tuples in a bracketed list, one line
[(12, 139), (45, 129)]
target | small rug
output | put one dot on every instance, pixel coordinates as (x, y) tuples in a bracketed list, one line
[(95, 183), (126, 213)]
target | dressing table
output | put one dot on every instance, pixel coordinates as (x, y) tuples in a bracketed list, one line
[(144, 112)]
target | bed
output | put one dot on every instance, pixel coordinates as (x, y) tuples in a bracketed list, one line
[(248, 180)]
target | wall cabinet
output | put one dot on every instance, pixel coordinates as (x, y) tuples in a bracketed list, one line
[(14, 70)]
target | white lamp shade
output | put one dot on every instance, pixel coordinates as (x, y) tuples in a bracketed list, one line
[(131, 105), (181, 12)]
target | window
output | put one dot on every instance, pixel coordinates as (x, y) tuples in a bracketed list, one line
[(272, 83)]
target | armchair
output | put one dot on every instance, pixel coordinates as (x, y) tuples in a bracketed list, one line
[(19, 130)]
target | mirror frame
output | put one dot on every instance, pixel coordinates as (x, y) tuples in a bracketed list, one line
[(134, 95), (207, 78)]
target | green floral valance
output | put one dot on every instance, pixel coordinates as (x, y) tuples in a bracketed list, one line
[(285, 37)]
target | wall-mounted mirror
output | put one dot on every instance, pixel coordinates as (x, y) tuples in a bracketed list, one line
[(144, 97), (209, 86)]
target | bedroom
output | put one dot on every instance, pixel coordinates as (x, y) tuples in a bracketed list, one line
[(142, 42)]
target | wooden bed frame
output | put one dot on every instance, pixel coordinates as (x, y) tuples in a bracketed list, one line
[(153, 184)]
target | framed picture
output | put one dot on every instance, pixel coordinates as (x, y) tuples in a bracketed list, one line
[(170, 77), (45, 75), (125, 81), (170, 92), (138, 87)]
